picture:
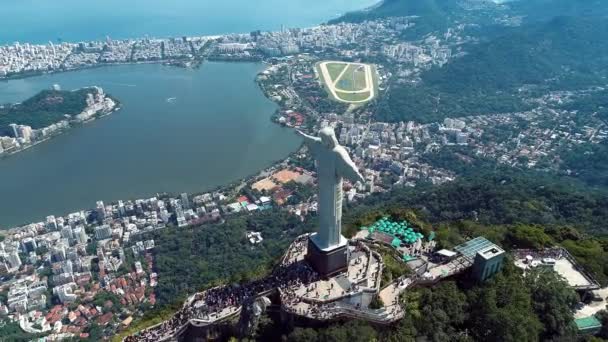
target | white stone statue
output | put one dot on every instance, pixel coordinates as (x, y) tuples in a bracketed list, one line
[(333, 164)]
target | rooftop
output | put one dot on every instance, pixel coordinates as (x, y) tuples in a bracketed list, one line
[(560, 261), (588, 323), (479, 244)]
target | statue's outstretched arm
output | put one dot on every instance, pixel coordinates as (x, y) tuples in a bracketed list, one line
[(346, 167), (308, 138), (314, 143)]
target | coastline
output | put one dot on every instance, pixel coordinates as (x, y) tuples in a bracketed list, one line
[(225, 187), (198, 59), (71, 124)]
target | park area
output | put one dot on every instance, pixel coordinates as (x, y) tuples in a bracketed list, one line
[(354, 83)]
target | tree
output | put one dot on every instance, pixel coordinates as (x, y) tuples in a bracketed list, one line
[(376, 303), (524, 236), (553, 302), (443, 311), (351, 331), (501, 310), (95, 332), (603, 317), (303, 335)]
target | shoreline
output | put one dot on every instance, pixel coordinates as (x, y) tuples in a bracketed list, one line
[(198, 61), (72, 124), (229, 186), (197, 58)]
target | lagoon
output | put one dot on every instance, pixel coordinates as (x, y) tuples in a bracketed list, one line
[(214, 131), (217, 129)]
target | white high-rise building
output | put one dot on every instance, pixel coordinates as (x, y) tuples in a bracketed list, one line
[(185, 201), (25, 132), (66, 233), (80, 235), (29, 245), (15, 129), (14, 260), (101, 211), (180, 217), (103, 232), (58, 253), (67, 267), (51, 223), (121, 209), (65, 292)]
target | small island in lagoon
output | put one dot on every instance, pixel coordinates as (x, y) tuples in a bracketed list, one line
[(49, 113)]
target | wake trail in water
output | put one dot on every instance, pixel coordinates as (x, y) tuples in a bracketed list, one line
[(122, 84)]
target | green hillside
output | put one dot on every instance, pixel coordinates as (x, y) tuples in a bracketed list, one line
[(565, 53), (544, 10), (434, 14)]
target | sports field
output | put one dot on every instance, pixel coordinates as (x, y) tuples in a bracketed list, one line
[(348, 82)]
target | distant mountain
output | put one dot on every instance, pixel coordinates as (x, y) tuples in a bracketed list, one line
[(565, 47), (400, 8), (544, 10), (437, 15), (564, 53)]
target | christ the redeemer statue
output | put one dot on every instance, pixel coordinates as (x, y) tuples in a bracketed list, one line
[(333, 164)]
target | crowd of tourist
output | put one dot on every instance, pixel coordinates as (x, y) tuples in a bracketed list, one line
[(552, 253), (220, 302)]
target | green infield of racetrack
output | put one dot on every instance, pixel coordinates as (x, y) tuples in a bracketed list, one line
[(334, 69), (352, 97)]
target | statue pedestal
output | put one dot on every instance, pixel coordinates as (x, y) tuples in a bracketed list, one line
[(328, 261)]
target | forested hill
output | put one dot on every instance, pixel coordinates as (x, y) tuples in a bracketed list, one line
[(544, 10), (437, 10), (43, 109), (565, 48), (433, 15), (564, 53)]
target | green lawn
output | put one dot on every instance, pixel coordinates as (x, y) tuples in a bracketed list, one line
[(335, 69), (353, 79), (352, 97)]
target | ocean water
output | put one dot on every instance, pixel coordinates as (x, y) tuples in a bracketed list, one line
[(40, 21), (217, 131)]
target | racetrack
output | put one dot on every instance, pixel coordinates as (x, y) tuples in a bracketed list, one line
[(356, 94)]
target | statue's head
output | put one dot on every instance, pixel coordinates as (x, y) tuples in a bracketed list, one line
[(328, 137)]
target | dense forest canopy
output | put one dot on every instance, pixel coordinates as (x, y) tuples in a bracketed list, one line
[(43, 109), (565, 53)]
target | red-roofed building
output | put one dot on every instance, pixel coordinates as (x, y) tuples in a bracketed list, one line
[(74, 330), (281, 196), (104, 319), (81, 321)]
